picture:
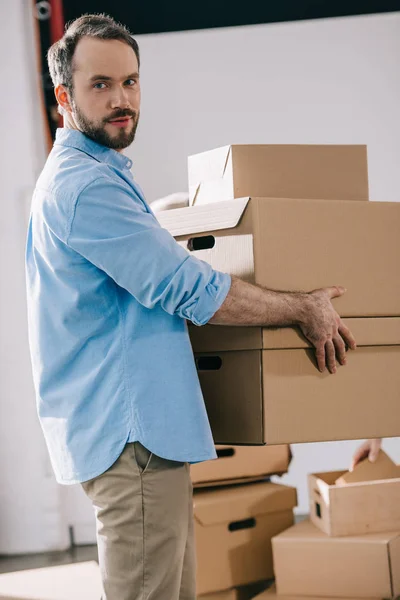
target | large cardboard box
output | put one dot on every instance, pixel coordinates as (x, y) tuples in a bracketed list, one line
[(307, 562), (286, 171), (301, 245), (233, 530), (270, 594), (241, 462), (356, 508), (262, 385), (78, 581)]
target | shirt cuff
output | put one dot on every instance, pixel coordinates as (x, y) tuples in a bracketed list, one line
[(214, 296)]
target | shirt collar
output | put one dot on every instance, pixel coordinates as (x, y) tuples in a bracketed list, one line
[(73, 138)]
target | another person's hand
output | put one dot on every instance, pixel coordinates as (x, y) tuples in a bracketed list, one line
[(324, 328), (369, 449)]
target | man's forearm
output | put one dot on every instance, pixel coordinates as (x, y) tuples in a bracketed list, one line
[(247, 304)]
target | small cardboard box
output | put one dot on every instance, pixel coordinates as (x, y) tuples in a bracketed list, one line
[(285, 244), (241, 462), (270, 594), (356, 508), (80, 581), (262, 386), (330, 172), (233, 531), (307, 562)]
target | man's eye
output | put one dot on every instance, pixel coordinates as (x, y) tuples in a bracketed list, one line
[(131, 82), (97, 86)]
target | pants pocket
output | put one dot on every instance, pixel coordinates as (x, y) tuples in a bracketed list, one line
[(142, 456)]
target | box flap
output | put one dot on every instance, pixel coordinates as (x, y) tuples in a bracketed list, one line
[(378, 331), (271, 594), (200, 219), (238, 503), (306, 530), (382, 468), (206, 167), (370, 331)]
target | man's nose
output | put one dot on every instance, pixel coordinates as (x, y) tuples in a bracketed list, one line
[(120, 98)]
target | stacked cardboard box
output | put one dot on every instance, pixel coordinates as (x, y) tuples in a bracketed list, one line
[(295, 218), (351, 546)]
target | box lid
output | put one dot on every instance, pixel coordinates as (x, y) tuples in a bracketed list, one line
[(203, 218), (242, 502), (369, 331), (271, 594), (382, 468), (307, 531)]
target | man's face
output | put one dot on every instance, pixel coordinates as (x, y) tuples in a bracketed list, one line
[(106, 91)]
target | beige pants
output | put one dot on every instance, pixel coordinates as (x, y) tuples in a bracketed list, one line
[(144, 515)]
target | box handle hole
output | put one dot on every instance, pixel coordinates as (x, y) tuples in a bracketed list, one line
[(208, 363), (318, 510), (245, 524), (225, 452), (203, 242)]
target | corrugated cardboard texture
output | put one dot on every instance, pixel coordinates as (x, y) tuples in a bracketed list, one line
[(382, 468), (80, 581), (286, 244), (271, 594), (233, 529), (381, 331), (309, 563), (236, 462), (279, 396), (354, 509), (286, 171)]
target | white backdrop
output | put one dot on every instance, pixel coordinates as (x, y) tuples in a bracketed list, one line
[(325, 81)]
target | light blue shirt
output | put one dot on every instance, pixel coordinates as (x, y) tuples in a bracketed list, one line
[(109, 292)]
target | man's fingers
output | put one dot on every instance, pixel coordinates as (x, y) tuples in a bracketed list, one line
[(347, 336), (335, 291), (340, 349), (330, 356), (358, 457), (320, 355)]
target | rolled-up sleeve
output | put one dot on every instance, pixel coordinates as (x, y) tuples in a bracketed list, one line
[(112, 228)]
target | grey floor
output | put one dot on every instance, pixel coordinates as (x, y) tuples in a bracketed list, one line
[(48, 559)]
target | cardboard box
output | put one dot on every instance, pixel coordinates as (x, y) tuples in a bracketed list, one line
[(80, 581), (301, 245), (382, 468), (264, 387), (241, 462), (270, 594), (354, 509), (233, 530), (279, 171), (307, 562)]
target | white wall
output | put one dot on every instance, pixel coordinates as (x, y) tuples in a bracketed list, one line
[(322, 81), (31, 517), (333, 81)]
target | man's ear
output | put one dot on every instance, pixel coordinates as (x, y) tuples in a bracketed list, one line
[(61, 94)]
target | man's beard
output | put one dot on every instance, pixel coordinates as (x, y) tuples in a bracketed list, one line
[(97, 132)]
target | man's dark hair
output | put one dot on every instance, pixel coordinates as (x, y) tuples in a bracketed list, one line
[(100, 26)]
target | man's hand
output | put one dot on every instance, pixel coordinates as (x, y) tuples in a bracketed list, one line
[(369, 449), (323, 327), (248, 305)]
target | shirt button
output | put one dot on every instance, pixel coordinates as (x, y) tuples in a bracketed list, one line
[(129, 164)]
